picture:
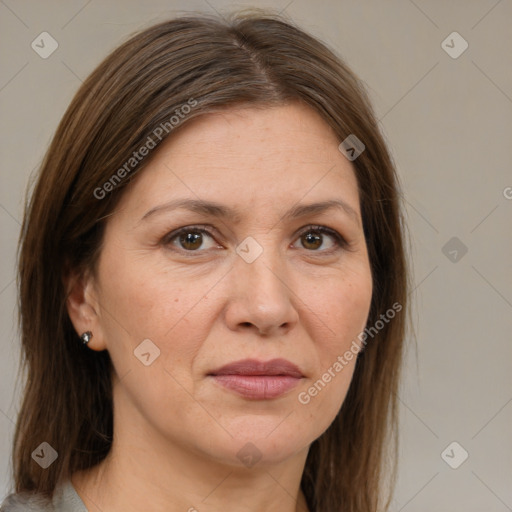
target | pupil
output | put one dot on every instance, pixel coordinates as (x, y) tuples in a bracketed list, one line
[(310, 238), (189, 239)]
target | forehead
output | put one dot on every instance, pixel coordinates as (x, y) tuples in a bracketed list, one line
[(257, 157)]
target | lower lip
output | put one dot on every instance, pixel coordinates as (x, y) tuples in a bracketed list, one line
[(258, 387)]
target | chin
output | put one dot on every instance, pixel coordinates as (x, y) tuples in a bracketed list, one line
[(260, 440)]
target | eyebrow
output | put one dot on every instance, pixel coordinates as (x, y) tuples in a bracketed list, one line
[(214, 209)]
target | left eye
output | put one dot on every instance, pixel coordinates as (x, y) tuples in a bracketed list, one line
[(191, 239), (313, 238)]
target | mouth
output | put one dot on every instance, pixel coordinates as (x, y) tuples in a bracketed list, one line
[(258, 380)]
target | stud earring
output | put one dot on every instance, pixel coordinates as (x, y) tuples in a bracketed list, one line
[(86, 337)]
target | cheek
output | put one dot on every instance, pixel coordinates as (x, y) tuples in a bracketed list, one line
[(141, 302), (165, 308), (344, 307)]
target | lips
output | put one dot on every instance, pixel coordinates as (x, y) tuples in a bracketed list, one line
[(255, 368), (258, 380)]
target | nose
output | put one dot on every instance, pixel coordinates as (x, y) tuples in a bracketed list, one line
[(261, 298)]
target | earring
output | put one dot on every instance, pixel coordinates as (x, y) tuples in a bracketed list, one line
[(86, 337)]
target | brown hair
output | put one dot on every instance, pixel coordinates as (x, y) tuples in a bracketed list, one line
[(249, 59)]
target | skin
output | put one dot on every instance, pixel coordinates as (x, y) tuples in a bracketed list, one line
[(176, 431)]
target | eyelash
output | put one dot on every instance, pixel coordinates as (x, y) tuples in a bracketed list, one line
[(339, 240)]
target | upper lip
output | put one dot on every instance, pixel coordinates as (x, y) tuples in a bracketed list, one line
[(261, 368)]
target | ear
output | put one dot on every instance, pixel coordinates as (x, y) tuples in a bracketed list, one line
[(83, 308)]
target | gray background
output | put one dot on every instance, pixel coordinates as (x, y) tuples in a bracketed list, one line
[(448, 124)]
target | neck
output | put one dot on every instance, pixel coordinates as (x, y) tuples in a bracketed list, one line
[(129, 480), (145, 471)]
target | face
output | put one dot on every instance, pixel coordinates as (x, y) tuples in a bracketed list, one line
[(182, 291)]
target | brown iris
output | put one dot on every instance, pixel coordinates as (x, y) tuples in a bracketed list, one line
[(311, 239), (191, 240)]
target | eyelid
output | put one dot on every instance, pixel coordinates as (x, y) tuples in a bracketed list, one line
[(201, 228), (339, 239)]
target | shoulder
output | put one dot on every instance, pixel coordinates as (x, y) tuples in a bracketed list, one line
[(26, 502), (65, 499)]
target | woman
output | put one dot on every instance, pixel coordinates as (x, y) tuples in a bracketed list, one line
[(212, 283)]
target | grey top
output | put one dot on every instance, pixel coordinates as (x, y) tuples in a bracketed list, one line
[(65, 499)]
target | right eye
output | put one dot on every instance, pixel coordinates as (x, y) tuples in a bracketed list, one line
[(188, 239)]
